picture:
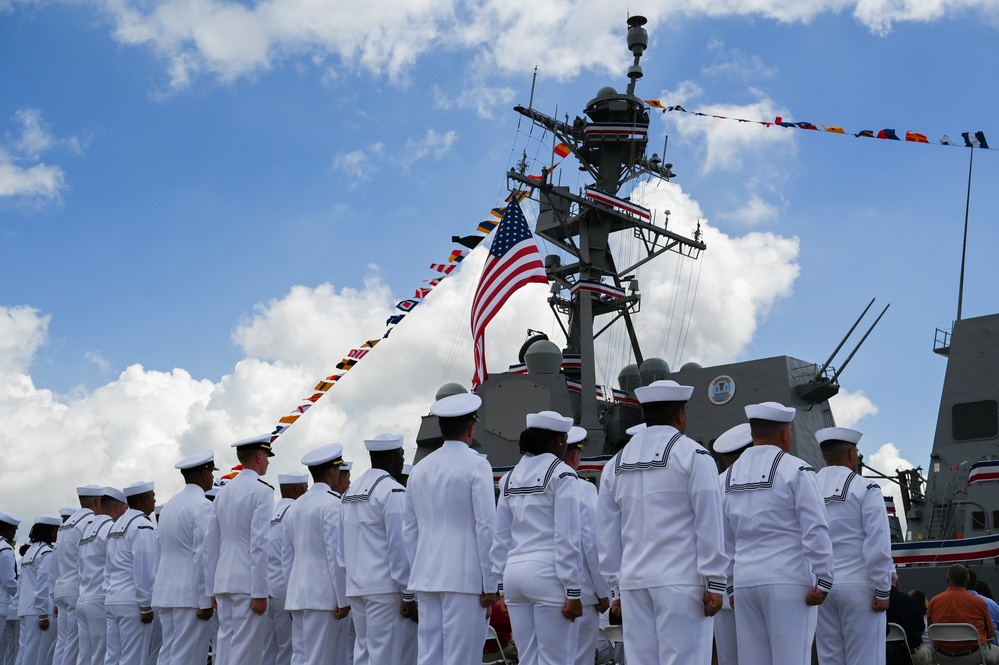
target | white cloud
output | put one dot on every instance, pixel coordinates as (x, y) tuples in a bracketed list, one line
[(727, 142), (22, 173), (849, 408), (888, 460), (736, 64), (357, 165), (484, 99), (432, 143), (22, 332), (755, 211), (98, 359)]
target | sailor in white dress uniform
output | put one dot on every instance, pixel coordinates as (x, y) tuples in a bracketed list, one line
[(375, 556), (180, 593), (317, 593), (277, 650), (410, 630), (66, 569), (236, 556), (34, 597), (730, 446), (91, 616), (852, 623), (660, 524), (448, 530), (538, 549), (596, 592), (8, 584), (132, 558), (782, 556)]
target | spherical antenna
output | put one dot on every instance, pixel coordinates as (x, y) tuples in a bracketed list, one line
[(653, 369), (449, 389), (690, 365), (543, 357), (628, 378)]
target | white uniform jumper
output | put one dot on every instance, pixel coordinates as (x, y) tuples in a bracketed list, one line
[(448, 530), (317, 583), (8, 591), (236, 565), (777, 525), (594, 586), (180, 589), (726, 640), (132, 557), (91, 618), (34, 600), (849, 630), (277, 650), (538, 552), (660, 524), (377, 566), (66, 569)]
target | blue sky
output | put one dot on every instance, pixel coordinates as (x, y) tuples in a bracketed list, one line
[(205, 204)]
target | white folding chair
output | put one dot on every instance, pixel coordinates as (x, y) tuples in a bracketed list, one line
[(613, 634), (501, 658), (956, 632), (897, 634)]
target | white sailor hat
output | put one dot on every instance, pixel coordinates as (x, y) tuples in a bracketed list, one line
[(261, 442), (210, 494), (550, 420), (331, 452), (293, 478), (772, 411), (7, 518), (346, 466), (407, 469), (455, 406), (838, 434), (576, 436), (90, 490), (634, 429), (205, 459), (115, 494), (48, 520), (382, 442), (66, 512), (138, 488), (663, 391), (733, 439)]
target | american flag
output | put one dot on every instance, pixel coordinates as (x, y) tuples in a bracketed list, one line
[(513, 261)]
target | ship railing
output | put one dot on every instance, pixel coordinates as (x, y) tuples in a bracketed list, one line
[(941, 341)]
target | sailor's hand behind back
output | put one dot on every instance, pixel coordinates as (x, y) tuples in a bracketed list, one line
[(573, 609), (712, 603), (815, 597), (603, 604), (881, 605)]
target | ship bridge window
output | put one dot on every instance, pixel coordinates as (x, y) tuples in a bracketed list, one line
[(971, 421), (978, 521)]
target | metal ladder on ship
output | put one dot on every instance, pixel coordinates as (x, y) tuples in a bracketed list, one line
[(938, 521)]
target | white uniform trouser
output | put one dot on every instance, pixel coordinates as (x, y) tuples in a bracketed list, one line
[(67, 645), (666, 626), (410, 641), (34, 643), (725, 638), (185, 636), (8, 641), (318, 638), (534, 598), (92, 629), (378, 624), (277, 649), (242, 632), (129, 639), (156, 640), (588, 626), (776, 624), (849, 630), (452, 628)]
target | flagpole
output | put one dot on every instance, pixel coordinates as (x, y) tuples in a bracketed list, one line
[(964, 245)]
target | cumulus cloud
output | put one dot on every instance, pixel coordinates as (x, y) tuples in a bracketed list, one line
[(432, 143), (887, 459), (482, 98), (850, 408), (754, 211), (22, 173), (23, 330), (227, 39)]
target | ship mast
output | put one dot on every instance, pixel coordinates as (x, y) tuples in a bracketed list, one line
[(610, 145)]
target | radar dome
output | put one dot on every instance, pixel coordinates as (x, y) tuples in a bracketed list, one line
[(628, 378), (606, 91), (449, 389), (653, 369), (690, 365), (543, 357)]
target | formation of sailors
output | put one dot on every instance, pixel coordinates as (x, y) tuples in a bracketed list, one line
[(402, 565)]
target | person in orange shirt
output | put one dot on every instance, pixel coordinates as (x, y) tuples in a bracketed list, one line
[(956, 605)]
